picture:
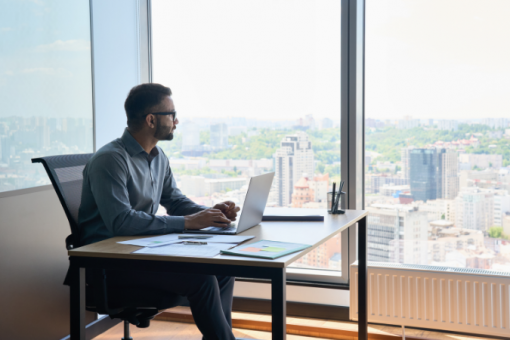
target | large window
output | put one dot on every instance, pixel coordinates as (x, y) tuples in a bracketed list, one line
[(45, 86), (437, 132), (256, 86)]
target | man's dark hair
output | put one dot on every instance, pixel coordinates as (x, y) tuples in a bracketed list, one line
[(141, 99)]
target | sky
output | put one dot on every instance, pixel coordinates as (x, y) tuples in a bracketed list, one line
[(280, 59), (264, 59), (441, 59), (45, 63), (271, 59)]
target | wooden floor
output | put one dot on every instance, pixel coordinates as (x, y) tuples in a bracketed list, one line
[(160, 330), (165, 330)]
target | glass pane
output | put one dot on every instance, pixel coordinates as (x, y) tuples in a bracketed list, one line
[(437, 132), (45, 86), (257, 88)]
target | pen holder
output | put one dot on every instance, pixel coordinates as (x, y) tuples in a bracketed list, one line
[(337, 209)]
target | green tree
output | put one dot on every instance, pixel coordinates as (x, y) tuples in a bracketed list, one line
[(321, 167), (496, 232)]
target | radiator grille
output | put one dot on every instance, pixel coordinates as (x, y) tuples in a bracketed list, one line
[(462, 300)]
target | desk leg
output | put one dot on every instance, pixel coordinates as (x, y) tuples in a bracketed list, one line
[(362, 280), (77, 303), (279, 305)]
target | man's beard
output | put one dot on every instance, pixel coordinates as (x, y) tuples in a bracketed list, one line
[(163, 132)]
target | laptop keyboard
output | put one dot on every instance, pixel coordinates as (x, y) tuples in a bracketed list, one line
[(230, 230)]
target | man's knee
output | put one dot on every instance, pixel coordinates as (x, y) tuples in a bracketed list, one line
[(203, 284), (226, 281)]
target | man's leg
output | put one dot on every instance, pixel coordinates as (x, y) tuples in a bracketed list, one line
[(204, 293), (226, 284)]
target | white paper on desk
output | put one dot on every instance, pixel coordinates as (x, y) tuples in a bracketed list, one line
[(209, 250), (162, 240), (235, 239), (154, 241)]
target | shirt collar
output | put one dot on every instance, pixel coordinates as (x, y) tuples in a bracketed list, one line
[(132, 146)]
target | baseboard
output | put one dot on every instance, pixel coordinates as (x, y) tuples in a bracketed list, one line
[(98, 327), (298, 309)]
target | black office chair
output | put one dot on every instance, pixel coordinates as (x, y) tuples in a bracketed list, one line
[(130, 305)]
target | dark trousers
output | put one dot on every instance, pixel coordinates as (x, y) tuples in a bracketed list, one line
[(210, 297)]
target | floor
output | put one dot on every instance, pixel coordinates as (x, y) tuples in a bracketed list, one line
[(164, 330), (160, 330)]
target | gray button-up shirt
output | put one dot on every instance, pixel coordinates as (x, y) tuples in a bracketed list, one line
[(122, 189)]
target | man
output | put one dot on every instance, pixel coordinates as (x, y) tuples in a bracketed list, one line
[(123, 185)]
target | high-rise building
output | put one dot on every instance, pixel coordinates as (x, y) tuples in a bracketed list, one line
[(6, 150), (408, 123), (219, 136), (506, 224), (327, 255), (326, 123), (404, 157), (481, 161), (501, 207), (397, 233), (293, 159), (474, 209), (43, 136), (192, 185), (302, 193), (424, 175), (449, 167), (320, 186), (496, 123), (433, 173), (448, 124), (191, 140), (378, 181), (310, 189)]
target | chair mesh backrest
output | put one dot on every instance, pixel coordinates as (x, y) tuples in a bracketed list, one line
[(66, 175)]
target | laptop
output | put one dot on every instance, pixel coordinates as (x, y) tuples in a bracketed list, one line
[(252, 211)]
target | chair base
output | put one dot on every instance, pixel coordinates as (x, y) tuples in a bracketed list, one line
[(127, 336)]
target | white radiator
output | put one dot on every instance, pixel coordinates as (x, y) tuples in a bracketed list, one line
[(460, 300)]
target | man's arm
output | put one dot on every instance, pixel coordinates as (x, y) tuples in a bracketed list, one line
[(108, 176), (196, 216)]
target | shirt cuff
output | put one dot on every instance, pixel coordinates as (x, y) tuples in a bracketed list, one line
[(175, 224)]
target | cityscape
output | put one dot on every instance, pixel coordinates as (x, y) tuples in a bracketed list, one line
[(22, 139), (438, 191)]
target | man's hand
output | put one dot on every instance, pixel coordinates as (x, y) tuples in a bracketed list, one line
[(229, 209), (206, 218)]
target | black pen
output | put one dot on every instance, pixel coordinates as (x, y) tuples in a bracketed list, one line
[(333, 197), (337, 201)]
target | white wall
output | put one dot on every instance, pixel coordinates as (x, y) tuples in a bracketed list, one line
[(34, 303), (120, 59)]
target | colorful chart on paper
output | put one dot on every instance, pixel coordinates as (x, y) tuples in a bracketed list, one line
[(266, 249)]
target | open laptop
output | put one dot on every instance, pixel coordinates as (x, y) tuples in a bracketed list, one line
[(252, 211)]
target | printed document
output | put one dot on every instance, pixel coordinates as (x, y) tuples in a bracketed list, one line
[(162, 240), (209, 250)]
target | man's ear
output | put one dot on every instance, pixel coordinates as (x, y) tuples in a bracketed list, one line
[(150, 120)]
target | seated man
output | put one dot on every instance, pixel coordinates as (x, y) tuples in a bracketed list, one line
[(123, 185)]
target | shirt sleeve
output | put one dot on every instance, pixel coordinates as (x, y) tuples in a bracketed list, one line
[(108, 177), (174, 201)]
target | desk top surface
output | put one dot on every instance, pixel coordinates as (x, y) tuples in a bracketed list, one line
[(312, 233)]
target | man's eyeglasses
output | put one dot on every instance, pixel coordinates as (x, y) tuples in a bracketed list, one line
[(173, 113)]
